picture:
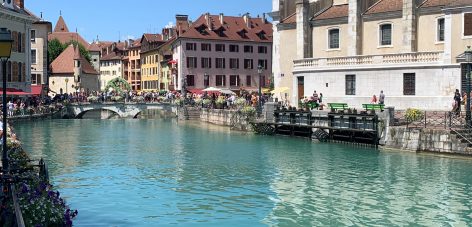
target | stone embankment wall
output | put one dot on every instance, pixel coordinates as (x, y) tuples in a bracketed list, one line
[(429, 140)]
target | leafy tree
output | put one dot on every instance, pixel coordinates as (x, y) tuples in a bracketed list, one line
[(55, 48), (83, 51), (119, 85)]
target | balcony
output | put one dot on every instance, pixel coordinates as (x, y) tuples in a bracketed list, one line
[(369, 61)]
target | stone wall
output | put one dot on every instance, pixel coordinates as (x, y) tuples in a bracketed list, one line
[(225, 118), (429, 140)]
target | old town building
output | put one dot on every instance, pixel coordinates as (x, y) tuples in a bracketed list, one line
[(19, 23), (350, 50), (222, 51)]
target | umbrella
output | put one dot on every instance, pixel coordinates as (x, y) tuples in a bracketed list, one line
[(227, 92), (212, 89), (280, 90)]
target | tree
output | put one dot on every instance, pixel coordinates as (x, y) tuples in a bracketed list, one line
[(55, 48), (83, 51), (119, 85)]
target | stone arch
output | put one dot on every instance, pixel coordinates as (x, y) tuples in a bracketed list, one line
[(83, 112)]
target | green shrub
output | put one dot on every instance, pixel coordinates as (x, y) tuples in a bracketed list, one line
[(413, 115)]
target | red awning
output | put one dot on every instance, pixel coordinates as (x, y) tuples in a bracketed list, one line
[(173, 61), (35, 90)]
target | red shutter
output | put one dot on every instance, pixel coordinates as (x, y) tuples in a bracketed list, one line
[(468, 24)]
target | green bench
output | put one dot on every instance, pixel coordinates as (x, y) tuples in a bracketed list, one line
[(338, 106), (374, 107)]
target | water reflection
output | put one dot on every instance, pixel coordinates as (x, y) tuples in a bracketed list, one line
[(155, 172)]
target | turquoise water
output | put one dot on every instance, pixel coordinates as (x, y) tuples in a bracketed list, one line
[(163, 173)]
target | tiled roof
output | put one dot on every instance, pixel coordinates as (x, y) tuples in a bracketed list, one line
[(15, 9), (231, 26), (290, 19), (112, 56), (334, 12), (64, 63), (94, 47), (384, 6), (61, 25), (65, 37), (152, 37)]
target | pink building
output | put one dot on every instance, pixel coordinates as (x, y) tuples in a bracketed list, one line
[(224, 52)]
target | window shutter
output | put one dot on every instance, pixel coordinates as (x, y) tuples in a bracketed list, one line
[(467, 24), (23, 43), (15, 41), (24, 74)]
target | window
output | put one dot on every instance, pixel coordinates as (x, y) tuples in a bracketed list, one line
[(33, 36), (333, 39), (234, 63), (248, 49), (248, 64), (262, 63), (220, 80), (20, 39), (350, 84), (33, 56), (467, 24), (206, 80), (220, 63), (191, 62), (20, 66), (191, 46), (35, 78), (206, 47), (440, 31), (206, 63), (262, 49), (409, 84), (234, 80), (190, 80), (248, 80), (385, 34), (220, 47), (233, 48)]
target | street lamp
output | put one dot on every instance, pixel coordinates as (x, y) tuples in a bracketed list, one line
[(468, 60), (67, 81), (5, 53), (259, 71)]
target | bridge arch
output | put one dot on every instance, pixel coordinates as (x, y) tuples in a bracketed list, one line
[(82, 113)]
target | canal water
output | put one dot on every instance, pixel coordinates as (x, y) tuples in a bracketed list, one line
[(165, 173)]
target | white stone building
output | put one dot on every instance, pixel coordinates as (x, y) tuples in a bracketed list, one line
[(350, 50)]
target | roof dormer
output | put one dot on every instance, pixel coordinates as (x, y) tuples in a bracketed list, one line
[(7, 3)]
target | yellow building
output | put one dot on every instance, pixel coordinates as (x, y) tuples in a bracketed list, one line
[(150, 61)]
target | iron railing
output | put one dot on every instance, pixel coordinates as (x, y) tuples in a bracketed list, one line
[(432, 119)]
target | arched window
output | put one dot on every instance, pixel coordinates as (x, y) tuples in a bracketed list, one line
[(385, 34)]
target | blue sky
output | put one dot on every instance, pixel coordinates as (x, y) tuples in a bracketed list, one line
[(118, 19)]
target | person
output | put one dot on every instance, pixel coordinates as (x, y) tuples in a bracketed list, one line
[(315, 96), (457, 102), (382, 98), (373, 100)]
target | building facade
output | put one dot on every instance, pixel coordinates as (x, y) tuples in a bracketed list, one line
[(224, 52), (19, 23), (150, 61), (350, 50), (132, 64), (111, 64), (39, 51)]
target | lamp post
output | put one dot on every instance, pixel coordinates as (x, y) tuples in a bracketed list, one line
[(468, 60), (67, 81), (259, 71), (5, 53)]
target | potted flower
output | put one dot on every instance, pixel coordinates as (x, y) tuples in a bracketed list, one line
[(220, 101)]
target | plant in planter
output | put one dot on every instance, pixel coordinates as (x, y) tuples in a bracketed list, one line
[(354, 111), (240, 102), (412, 115), (206, 102), (92, 99), (349, 111), (220, 101)]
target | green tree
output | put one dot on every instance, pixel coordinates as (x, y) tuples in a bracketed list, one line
[(55, 48), (119, 85), (83, 51)]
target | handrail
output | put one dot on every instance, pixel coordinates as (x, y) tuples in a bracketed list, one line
[(18, 215)]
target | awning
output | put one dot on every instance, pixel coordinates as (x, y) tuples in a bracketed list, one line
[(36, 90), (173, 61)]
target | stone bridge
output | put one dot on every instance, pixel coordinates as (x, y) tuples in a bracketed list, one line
[(123, 110)]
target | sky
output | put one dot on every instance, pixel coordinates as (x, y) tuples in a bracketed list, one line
[(114, 20)]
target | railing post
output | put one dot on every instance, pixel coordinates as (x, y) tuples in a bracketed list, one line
[(425, 112)]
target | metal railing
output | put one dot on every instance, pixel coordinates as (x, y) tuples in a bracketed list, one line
[(432, 119)]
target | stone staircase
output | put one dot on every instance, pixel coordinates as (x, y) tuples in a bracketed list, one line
[(464, 136), (193, 113)]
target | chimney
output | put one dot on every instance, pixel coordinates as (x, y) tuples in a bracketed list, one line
[(222, 18), (264, 18), (20, 3), (207, 19), (247, 20)]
